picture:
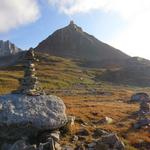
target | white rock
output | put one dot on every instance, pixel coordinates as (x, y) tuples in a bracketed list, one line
[(55, 135), (42, 111), (75, 138), (71, 120), (38, 112), (105, 120)]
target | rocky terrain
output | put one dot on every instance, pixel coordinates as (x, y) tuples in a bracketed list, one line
[(28, 112), (8, 48), (103, 103), (97, 108)]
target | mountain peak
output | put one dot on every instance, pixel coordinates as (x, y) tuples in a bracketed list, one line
[(72, 42), (8, 48), (73, 26), (72, 22)]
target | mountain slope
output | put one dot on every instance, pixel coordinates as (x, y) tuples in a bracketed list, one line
[(11, 60), (135, 71), (8, 48), (73, 42)]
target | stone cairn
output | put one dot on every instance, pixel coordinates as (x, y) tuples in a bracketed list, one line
[(29, 118), (30, 84), (144, 114)]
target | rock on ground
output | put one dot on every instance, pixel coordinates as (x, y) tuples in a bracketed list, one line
[(139, 97), (27, 115)]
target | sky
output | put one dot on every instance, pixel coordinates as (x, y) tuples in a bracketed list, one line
[(124, 24)]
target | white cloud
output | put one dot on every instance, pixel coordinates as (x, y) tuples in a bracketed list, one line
[(14, 13), (125, 8), (135, 38)]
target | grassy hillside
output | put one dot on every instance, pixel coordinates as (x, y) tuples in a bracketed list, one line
[(56, 73), (85, 96)]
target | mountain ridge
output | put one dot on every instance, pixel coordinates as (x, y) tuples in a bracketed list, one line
[(72, 42), (7, 48)]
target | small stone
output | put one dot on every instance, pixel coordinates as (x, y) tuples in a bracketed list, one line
[(81, 147), (92, 145), (83, 132), (139, 97), (66, 147), (82, 138), (1, 107), (99, 132), (47, 146), (142, 122), (32, 147), (144, 107), (75, 138), (94, 113), (55, 135), (101, 146), (105, 120), (119, 145), (110, 139), (57, 146), (71, 120)]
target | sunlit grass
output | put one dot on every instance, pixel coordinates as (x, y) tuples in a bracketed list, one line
[(82, 95)]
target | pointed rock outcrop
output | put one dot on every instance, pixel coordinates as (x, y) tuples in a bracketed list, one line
[(8, 48)]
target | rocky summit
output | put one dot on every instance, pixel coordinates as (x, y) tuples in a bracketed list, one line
[(8, 48), (72, 42)]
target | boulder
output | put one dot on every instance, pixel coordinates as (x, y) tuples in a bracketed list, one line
[(113, 141), (110, 139), (139, 97), (24, 115)]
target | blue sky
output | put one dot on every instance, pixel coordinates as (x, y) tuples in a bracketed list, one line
[(123, 24)]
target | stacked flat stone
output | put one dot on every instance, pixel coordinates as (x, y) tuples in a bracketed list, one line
[(145, 107), (30, 84), (144, 114), (28, 112)]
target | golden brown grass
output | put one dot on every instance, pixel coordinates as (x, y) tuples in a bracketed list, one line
[(76, 86), (120, 112)]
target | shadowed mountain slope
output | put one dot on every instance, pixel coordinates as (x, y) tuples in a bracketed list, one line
[(72, 42)]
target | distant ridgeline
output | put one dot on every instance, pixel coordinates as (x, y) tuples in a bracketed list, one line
[(8, 48), (81, 49)]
